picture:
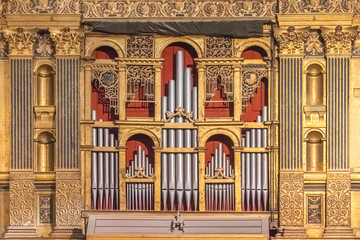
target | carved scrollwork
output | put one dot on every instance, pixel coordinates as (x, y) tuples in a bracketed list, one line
[(140, 46), (186, 8), (179, 112), (316, 6), (44, 46), (141, 78), (43, 6), (291, 199), (140, 173), (218, 47), (314, 209), (313, 45), (46, 209), (290, 41), (338, 41), (4, 48), (252, 75), (20, 42), (338, 199), (22, 204), (105, 82), (67, 42), (219, 77), (219, 174)]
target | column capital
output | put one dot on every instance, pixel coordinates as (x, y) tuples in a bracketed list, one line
[(291, 42), (338, 41), (67, 42)]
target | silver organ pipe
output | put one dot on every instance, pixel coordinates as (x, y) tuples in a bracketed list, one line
[(179, 181), (104, 170), (219, 196), (254, 169)]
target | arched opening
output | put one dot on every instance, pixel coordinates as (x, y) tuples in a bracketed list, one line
[(219, 163), (45, 86), (254, 52), (314, 85), (140, 165), (45, 152), (104, 52), (314, 152)]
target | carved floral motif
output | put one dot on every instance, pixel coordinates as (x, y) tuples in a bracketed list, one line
[(291, 42), (339, 41), (322, 6), (313, 45), (356, 47), (20, 42), (3, 45), (22, 204), (338, 199), (218, 47), (43, 6), (186, 8), (252, 75), (46, 209), (140, 46), (291, 199), (67, 42), (44, 45)]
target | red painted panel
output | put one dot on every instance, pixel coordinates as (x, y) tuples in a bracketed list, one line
[(140, 109), (254, 52), (132, 147), (105, 52), (169, 66), (213, 143), (219, 109), (256, 104)]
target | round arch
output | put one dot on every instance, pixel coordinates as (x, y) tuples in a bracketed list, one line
[(219, 131), (107, 42), (36, 135), (322, 133), (42, 63), (125, 137), (242, 47), (191, 42)]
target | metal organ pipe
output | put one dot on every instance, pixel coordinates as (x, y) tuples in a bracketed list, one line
[(180, 170), (254, 186)]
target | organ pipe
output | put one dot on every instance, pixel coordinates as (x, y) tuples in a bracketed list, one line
[(180, 170)]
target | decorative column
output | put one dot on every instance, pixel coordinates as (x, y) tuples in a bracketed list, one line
[(22, 188), (68, 197), (291, 186), (338, 184)]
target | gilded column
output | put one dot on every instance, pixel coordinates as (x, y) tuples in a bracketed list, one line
[(202, 91), (22, 188), (237, 89), (338, 44), (291, 186), (68, 198)]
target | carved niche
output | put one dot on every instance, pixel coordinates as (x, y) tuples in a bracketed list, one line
[(338, 41), (290, 41), (20, 42), (67, 42), (291, 199)]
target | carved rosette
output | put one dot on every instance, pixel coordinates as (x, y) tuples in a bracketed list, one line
[(339, 41), (21, 42), (22, 199), (338, 200), (67, 42), (291, 42), (291, 199), (68, 199)]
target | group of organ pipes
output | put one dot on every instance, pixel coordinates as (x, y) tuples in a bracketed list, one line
[(179, 167)]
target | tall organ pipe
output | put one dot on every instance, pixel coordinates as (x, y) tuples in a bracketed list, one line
[(94, 178)]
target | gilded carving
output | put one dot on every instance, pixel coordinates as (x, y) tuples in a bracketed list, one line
[(186, 8), (140, 46), (46, 209), (219, 77), (313, 45), (356, 47), (141, 77), (44, 45), (22, 204), (338, 41), (291, 199), (314, 209), (316, 6), (218, 47), (338, 199), (43, 6), (252, 75), (20, 42), (3, 45), (68, 199), (291, 42), (67, 42)]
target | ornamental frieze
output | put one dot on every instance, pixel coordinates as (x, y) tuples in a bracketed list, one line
[(67, 42), (186, 8), (20, 42), (338, 41), (316, 6), (42, 6), (291, 41)]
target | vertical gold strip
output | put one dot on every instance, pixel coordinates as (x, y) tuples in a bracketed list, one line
[(201, 91), (237, 168), (237, 81), (202, 179), (157, 184), (122, 171), (122, 84), (158, 94)]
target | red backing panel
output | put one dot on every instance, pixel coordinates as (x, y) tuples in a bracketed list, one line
[(214, 142), (219, 109), (254, 52), (139, 109), (169, 65), (105, 52), (256, 104), (132, 147)]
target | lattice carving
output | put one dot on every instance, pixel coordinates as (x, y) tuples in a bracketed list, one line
[(338, 199), (338, 41), (140, 46), (291, 199), (219, 77), (252, 75), (105, 82), (141, 78), (219, 47), (186, 8), (44, 46), (46, 206)]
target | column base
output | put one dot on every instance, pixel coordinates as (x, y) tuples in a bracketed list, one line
[(72, 233), (291, 233), (338, 232), (20, 232)]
